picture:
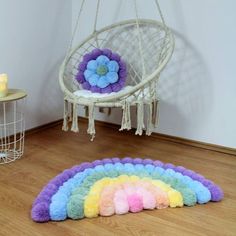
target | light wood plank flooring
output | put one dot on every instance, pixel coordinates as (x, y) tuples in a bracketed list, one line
[(50, 151)]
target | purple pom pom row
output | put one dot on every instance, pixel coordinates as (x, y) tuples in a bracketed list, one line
[(40, 210)]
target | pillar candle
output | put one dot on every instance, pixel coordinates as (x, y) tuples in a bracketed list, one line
[(3, 85)]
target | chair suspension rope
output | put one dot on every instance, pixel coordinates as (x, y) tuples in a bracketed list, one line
[(76, 27), (160, 13), (95, 23), (140, 40)]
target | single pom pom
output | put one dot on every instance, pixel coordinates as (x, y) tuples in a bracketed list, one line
[(82, 67), (106, 204), (147, 161), (40, 212), (216, 193), (116, 87), (80, 78), (86, 165), (188, 173), (107, 52), (126, 160), (87, 57), (198, 177), (158, 163), (86, 85), (121, 202), (97, 162), (58, 210), (116, 160), (137, 161), (95, 89), (115, 57), (96, 53), (75, 207), (108, 89), (180, 169), (107, 161), (148, 199), (135, 203), (169, 166)]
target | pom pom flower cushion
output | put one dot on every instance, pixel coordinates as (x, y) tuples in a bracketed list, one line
[(102, 71), (118, 186)]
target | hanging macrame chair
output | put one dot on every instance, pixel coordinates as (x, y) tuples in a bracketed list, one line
[(145, 45)]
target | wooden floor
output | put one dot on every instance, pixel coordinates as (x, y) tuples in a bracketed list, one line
[(51, 151)]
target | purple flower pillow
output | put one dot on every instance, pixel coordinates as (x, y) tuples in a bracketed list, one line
[(102, 71)]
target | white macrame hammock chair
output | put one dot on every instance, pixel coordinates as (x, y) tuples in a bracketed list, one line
[(145, 45)]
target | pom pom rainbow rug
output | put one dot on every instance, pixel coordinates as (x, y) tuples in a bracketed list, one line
[(118, 186)]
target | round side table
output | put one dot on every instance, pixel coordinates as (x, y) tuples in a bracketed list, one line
[(12, 125)]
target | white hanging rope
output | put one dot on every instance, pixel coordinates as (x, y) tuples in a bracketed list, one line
[(160, 13), (75, 29), (95, 23), (139, 39), (96, 16)]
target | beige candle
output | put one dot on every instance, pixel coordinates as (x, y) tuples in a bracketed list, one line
[(3, 85)]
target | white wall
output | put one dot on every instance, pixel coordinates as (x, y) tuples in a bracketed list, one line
[(198, 88), (33, 38)]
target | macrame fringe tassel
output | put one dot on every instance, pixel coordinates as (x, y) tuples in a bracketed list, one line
[(149, 119), (126, 121), (86, 111), (155, 113), (91, 124), (74, 126), (70, 109), (65, 120), (140, 119)]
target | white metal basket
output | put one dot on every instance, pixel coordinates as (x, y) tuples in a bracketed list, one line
[(12, 130)]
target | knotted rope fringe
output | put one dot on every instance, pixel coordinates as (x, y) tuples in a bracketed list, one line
[(155, 113), (149, 119), (91, 124), (74, 126), (86, 109), (65, 120), (70, 109), (126, 121), (140, 118)]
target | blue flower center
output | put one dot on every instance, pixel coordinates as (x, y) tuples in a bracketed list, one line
[(102, 70)]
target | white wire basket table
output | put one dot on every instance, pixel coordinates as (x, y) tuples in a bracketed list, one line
[(12, 126)]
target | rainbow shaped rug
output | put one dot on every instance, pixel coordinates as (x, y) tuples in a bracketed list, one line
[(118, 186)]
